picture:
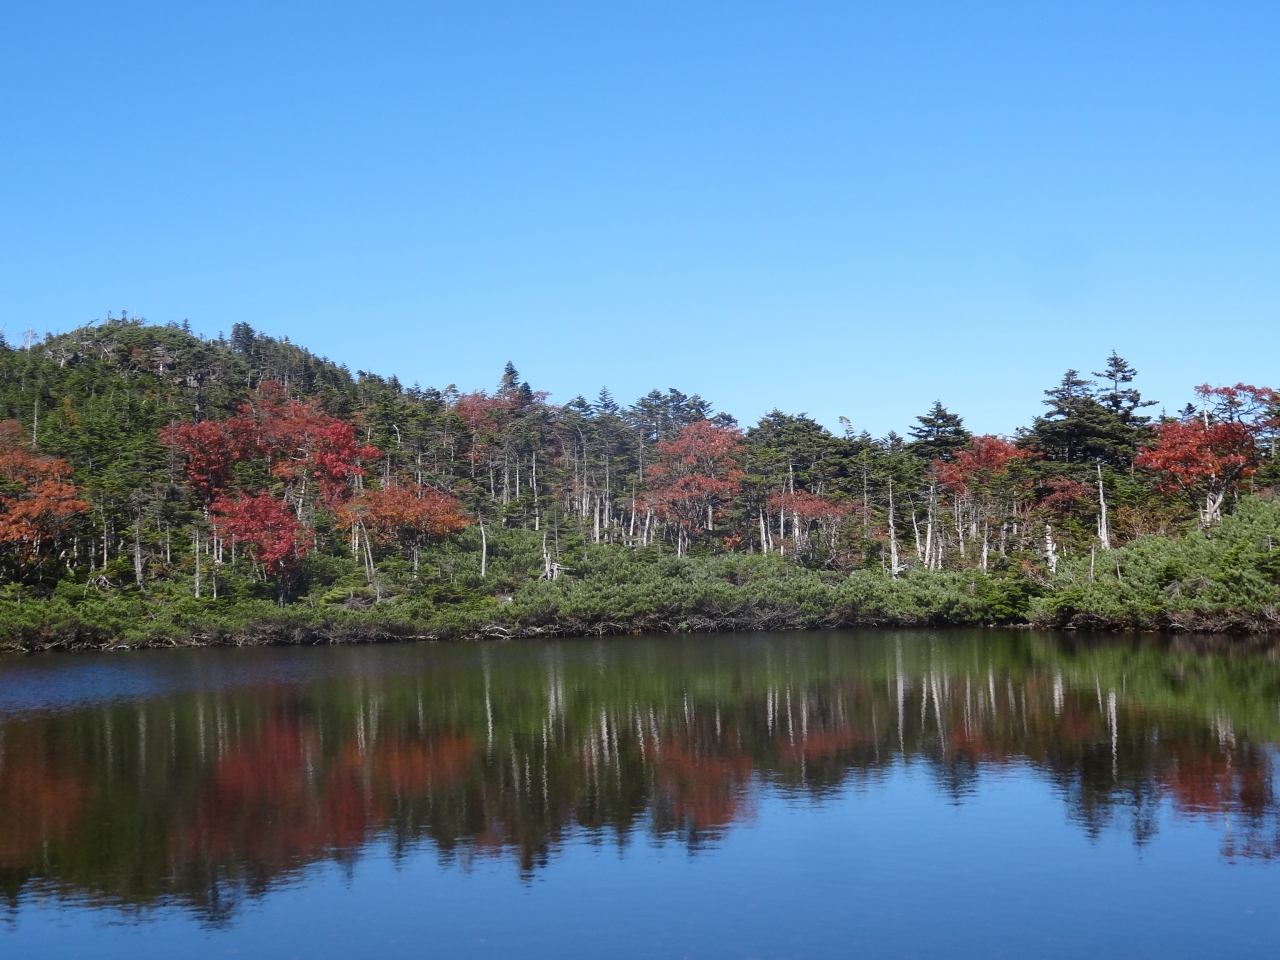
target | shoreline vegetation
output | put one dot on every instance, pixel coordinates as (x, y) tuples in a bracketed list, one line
[(160, 489)]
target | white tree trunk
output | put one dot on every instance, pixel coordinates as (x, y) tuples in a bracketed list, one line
[(1104, 535)]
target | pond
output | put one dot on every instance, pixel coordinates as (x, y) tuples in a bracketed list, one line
[(854, 793)]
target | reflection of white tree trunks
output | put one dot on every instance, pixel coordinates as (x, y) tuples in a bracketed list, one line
[(1115, 738)]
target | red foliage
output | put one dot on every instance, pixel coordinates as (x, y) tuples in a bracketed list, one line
[(479, 410), (985, 460), (335, 460), (1205, 457), (1243, 403), (409, 514), (299, 443), (1063, 494), (696, 471), (211, 453), (267, 527), (36, 501), (809, 507), (1189, 454)]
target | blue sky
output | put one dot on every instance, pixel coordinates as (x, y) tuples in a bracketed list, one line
[(845, 209)]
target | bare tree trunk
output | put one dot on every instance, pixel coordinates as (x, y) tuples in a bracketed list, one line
[(1104, 535), (137, 549), (894, 568), (484, 549), (928, 532), (1050, 554)]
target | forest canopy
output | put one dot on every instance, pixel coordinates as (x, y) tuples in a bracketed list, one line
[(144, 464)]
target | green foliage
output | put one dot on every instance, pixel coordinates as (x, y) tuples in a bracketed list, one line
[(572, 542), (1227, 575)]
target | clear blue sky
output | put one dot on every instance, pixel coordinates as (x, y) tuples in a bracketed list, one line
[(835, 208)]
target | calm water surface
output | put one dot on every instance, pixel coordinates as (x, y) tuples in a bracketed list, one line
[(856, 793)]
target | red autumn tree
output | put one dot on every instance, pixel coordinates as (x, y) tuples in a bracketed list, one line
[(978, 466), (335, 460), (409, 516), (696, 472), (1063, 496), (37, 502), (301, 445), (1204, 457), (986, 489), (806, 509), (211, 454), (269, 530)]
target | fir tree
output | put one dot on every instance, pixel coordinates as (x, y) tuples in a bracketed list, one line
[(940, 433)]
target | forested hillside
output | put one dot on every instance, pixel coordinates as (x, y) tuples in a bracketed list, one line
[(157, 485)]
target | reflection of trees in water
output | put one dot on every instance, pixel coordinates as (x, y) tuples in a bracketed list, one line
[(208, 798)]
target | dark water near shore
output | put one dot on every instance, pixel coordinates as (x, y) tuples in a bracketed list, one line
[(858, 793)]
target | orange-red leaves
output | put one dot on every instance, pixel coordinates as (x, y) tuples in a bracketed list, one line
[(410, 513), (697, 470), (809, 507), (267, 527), (36, 499), (985, 459)]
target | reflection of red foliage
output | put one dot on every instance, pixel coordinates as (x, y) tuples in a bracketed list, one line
[(703, 789), (416, 768), (277, 801), (40, 800), (1211, 782), (1201, 783), (820, 744), (261, 806)]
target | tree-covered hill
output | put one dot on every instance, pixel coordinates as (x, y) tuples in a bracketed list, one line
[(157, 485)]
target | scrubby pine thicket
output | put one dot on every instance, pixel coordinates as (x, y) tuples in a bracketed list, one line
[(154, 484)]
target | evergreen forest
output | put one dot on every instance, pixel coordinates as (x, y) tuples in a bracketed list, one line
[(158, 487)]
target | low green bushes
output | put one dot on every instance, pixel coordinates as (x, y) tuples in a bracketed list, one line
[(1225, 579)]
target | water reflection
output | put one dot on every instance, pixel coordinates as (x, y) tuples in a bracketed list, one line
[(208, 791)]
